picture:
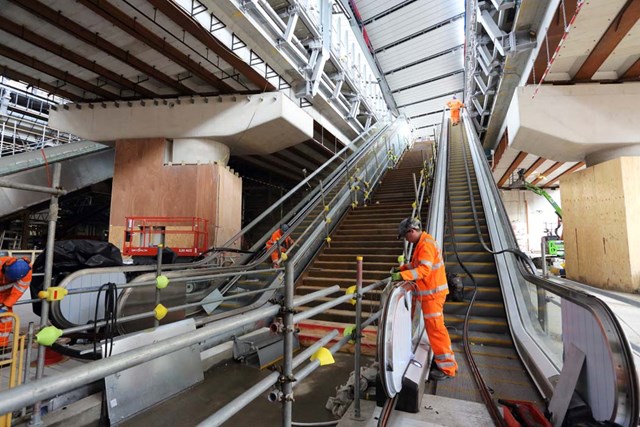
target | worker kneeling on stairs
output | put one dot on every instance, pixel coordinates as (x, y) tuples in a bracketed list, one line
[(283, 245), (427, 270)]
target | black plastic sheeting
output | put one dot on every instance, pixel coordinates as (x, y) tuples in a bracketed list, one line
[(70, 256)]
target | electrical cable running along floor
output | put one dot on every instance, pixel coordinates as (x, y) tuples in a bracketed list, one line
[(489, 336)]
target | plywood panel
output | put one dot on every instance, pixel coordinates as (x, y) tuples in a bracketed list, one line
[(144, 186), (596, 227), (631, 186), (230, 208)]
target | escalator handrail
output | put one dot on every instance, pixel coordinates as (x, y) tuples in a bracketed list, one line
[(628, 387), (201, 263)]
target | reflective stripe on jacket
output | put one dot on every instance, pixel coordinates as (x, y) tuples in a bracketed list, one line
[(277, 235), (426, 268), (10, 292)]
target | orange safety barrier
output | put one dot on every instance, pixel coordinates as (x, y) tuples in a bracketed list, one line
[(186, 236)]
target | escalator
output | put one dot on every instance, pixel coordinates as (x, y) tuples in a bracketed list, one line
[(346, 179), (489, 337), (83, 164), (517, 335)]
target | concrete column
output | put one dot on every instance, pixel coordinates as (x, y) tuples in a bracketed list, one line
[(147, 183), (601, 227)]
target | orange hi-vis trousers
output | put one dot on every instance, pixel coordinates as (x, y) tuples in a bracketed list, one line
[(432, 309), (6, 327), (455, 116)]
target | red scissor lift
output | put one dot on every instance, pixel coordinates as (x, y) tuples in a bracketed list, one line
[(186, 236)]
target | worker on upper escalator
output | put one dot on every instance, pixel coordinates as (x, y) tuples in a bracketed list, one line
[(15, 278), (427, 270), (454, 106), (283, 245)]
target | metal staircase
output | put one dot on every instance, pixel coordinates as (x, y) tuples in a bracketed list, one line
[(371, 232)]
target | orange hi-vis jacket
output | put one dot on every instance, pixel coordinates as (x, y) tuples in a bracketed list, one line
[(455, 104), (426, 268), (284, 245), (10, 292)]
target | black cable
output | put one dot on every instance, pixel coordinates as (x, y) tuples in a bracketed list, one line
[(494, 412), (110, 317), (524, 257)]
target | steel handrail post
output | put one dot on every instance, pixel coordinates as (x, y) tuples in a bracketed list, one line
[(156, 321), (358, 335), (287, 365), (48, 272)]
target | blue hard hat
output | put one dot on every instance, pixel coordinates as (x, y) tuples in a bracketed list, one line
[(17, 270), (284, 227)]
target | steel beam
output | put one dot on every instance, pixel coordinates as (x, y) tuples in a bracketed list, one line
[(17, 75), (178, 15), (62, 22), (130, 25), (46, 44), (64, 76)]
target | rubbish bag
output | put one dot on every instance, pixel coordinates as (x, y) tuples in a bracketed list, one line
[(168, 257), (456, 288), (70, 256)]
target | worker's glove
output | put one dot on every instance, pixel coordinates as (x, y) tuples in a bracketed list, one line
[(3, 308), (394, 270), (396, 277)]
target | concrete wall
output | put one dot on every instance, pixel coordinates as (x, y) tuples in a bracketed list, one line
[(144, 186), (602, 231), (530, 215)]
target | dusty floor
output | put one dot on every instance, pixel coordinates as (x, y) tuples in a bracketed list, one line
[(225, 382)]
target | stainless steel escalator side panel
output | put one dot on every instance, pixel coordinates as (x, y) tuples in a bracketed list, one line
[(520, 289), (437, 212)]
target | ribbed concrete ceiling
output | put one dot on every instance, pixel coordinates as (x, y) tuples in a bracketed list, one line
[(419, 47), (88, 50)]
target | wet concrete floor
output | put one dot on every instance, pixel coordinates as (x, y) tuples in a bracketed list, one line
[(227, 381)]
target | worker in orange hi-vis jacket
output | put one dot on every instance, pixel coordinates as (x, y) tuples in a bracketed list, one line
[(427, 270), (15, 278), (284, 245), (455, 105)]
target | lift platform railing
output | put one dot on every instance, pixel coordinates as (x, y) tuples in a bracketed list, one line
[(372, 152), (556, 326)]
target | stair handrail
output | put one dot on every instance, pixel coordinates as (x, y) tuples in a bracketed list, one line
[(435, 221), (515, 280), (180, 270)]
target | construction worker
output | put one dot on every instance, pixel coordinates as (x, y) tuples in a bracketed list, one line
[(455, 105), (427, 270), (15, 278), (284, 245)]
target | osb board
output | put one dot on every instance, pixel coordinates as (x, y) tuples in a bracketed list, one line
[(144, 186), (595, 227), (229, 208)]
